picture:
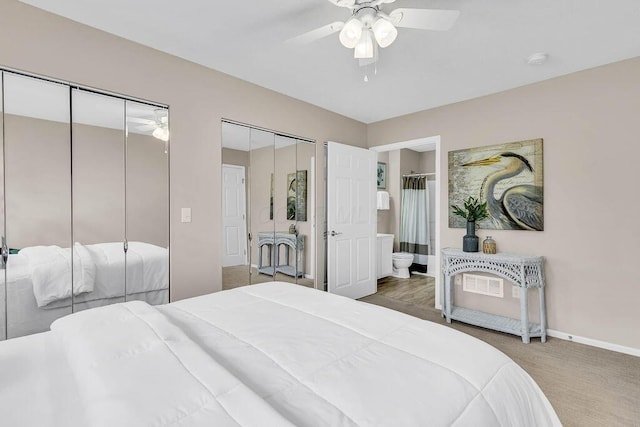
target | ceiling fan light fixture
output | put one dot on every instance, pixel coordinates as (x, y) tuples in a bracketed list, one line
[(384, 31), (351, 33), (161, 133), (364, 48)]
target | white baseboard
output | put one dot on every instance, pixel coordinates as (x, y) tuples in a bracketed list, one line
[(594, 343)]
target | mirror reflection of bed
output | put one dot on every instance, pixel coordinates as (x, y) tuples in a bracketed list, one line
[(268, 194), (86, 202), (39, 281)]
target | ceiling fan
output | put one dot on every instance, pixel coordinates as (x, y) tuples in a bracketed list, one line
[(369, 26), (159, 124)]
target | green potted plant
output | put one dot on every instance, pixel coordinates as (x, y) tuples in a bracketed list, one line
[(472, 211)]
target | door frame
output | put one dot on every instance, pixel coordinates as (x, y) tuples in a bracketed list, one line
[(433, 141), (246, 216)]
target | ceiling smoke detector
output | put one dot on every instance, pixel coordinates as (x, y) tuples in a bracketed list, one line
[(537, 58)]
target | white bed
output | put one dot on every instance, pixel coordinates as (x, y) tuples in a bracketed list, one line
[(267, 354), (38, 281)]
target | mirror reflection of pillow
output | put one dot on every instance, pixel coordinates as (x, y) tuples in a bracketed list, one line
[(84, 270), (50, 268)]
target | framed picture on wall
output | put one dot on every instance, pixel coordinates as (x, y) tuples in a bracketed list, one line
[(507, 176), (382, 176)]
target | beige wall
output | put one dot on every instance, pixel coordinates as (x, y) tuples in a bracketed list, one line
[(235, 157), (39, 42), (98, 184), (589, 122), (147, 190), (37, 182), (38, 185), (428, 163)]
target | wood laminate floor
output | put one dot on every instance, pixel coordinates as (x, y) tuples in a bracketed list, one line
[(418, 290), (234, 277)]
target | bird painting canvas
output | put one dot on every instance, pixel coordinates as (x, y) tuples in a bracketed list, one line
[(506, 176)]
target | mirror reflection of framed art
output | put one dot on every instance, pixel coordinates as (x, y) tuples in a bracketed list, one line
[(382, 176)]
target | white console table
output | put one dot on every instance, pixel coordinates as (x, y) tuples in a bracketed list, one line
[(524, 271), (273, 241)]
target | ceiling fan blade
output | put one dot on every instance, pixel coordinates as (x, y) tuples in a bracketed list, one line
[(424, 19), (147, 127), (344, 3), (316, 34), (140, 120)]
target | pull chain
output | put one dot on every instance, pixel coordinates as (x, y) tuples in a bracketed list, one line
[(366, 71)]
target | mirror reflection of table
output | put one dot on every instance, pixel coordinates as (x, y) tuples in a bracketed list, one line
[(293, 265)]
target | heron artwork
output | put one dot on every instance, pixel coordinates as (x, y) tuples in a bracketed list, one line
[(520, 206)]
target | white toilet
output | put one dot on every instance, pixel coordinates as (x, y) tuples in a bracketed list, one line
[(401, 263)]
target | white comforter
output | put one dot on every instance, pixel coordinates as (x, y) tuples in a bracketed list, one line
[(277, 353), (98, 270)]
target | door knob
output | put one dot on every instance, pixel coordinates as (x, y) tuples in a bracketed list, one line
[(335, 233)]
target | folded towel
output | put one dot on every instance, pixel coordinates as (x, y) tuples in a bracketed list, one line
[(382, 201)]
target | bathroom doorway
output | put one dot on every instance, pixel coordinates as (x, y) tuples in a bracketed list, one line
[(409, 213)]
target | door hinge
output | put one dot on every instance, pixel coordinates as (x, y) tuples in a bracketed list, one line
[(126, 246), (4, 253)]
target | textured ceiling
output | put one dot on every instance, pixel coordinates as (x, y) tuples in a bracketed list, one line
[(484, 53)]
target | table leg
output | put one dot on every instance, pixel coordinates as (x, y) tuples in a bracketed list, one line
[(286, 257), (448, 300), (524, 314), (259, 257), (543, 315), (276, 257)]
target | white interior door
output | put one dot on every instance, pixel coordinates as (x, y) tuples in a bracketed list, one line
[(351, 220), (234, 225)]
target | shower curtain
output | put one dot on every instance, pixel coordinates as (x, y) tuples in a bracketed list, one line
[(414, 218)]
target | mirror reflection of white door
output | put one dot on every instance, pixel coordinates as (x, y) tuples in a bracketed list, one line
[(234, 225), (351, 220)]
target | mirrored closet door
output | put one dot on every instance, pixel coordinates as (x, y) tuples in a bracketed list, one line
[(85, 213), (4, 254), (147, 203), (37, 199), (98, 166), (267, 184)]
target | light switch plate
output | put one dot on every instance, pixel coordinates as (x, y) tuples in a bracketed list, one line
[(186, 215)]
